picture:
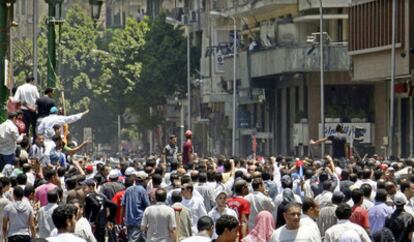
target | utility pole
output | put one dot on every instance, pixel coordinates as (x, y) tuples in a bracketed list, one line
[(4, 31)]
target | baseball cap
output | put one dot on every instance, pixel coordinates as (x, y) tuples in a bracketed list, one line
[(113, 174), (219, 193), (129, 171), (89, 168), (188, 133), (141, 175), (53, 110), (286, 178), (400, 199)]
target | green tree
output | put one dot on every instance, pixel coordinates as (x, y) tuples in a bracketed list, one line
[(164, 71)]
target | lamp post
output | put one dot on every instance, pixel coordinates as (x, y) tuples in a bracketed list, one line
[(216, 13), (391, 128), (4, 32), (175, 22), (96, 7), (322, 88)]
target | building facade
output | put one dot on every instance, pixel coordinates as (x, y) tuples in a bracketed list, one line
[(278, 77), (370, 44)]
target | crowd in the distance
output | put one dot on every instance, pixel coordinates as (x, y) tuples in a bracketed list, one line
[(46, 193)]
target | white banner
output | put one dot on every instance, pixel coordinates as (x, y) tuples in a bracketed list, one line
[(367, 136)]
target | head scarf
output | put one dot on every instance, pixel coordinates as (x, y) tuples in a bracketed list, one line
[(264, 224), (288, 196)]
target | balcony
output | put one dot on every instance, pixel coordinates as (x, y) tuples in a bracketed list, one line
[(282, 60), (314, 4), (252, 7)]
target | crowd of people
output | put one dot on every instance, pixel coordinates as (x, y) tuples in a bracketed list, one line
[(47, 193)]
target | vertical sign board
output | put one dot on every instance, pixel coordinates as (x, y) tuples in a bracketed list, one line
[(219, 60)]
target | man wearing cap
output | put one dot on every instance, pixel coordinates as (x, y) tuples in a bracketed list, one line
[(46, 125), (134, 202), (9, 136), (221, 208), (400, 222), (27, 94), (110, 188), (188, 150)]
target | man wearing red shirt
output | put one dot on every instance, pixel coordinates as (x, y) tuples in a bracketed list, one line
[(241, 206), (359, 214), (188, 150), (117, 199)]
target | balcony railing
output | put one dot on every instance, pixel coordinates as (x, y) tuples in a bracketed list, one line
[(312, 4), (241, 7), (292, 59)]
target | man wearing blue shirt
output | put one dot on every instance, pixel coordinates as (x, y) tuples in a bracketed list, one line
[(134, 203), (378, 213)]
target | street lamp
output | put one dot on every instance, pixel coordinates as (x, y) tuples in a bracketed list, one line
[(176, 23), (52, 20), (220, 14), (322, 89), (96, 7), (4, 16)]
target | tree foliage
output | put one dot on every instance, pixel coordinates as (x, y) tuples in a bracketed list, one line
[(138, 67)]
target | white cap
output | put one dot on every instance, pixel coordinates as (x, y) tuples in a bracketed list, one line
[(129, 171), (141, 175), (400, 199), (113, 174)]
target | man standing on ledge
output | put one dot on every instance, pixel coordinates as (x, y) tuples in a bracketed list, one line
[(188, 150), (339, 145)]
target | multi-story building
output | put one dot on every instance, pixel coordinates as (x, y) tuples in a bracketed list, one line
[(118, 11), (370, 44), (23, 15), (278, 75)]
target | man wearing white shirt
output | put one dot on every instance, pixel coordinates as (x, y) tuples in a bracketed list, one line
[(310, 213), (193, 203), (9, 136), (205, 226), (46, 125), (345, 229), (64, 218), (293, 231), (325, 197), (258, 201), (366, 179), (27, 94)]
